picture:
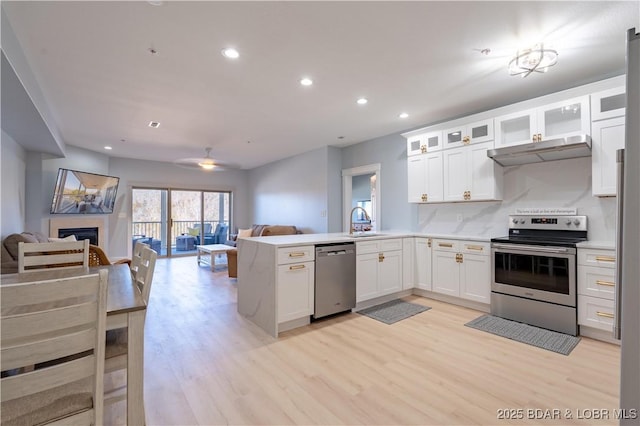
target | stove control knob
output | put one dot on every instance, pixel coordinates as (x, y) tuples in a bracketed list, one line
[(576, 222), (522, 221), (515, 221), (568, 222)]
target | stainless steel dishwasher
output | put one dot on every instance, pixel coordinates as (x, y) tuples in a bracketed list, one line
[(335, 288)]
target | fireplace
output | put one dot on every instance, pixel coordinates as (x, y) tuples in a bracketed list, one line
[(74, 223), (90, 234)]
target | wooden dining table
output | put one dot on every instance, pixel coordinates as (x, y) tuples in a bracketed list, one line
[(126, 308)]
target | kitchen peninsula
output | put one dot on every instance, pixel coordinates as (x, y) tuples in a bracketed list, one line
[(276, 274)]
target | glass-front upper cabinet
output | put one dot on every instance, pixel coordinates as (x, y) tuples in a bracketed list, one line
[(423, 143), (465, 134), (561, 119), (415, 145), (516, 128), (608, 103)]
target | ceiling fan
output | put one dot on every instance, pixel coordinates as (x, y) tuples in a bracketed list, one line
[(203, 163)]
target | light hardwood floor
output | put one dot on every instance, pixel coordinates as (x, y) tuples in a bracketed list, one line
[(205, 364)]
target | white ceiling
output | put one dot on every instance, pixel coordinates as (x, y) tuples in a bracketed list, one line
[(102, 85)]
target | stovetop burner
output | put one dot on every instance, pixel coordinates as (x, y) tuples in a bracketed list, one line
[(541, 241), (563, 231)]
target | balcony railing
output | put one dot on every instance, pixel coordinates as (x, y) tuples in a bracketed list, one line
[(179, 227)]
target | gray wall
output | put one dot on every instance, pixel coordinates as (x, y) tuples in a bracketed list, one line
[(361, 188), (13, 162), (391, 152), (292, 191), (334, 186)]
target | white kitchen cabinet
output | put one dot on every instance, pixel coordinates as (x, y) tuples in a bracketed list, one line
[(608, 103), (408, 263), (462, 269), (422, 257), (607, 136), (446, 273), (423, 143), (466, 134), (425, 178), (295, 282), (378, 268), (295, 290), (596, 288), (469, 175), (571, 117), (475, 267)]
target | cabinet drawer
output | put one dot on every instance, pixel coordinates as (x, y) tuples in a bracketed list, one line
[(390, 245), (446, 245), (596, 281), (296, 254), (595, 312), (378, 246), (482, 249), (593, 257)]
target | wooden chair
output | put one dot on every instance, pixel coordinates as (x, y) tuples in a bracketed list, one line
[(59, 326), (63, 255), (117, 340), (136, 258), (97, 257)]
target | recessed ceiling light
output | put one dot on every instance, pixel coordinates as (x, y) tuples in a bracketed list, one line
[(306, 81), (403, 115), (230, 53), (108, 148), (155, 2), (154, 124), (362, 101)]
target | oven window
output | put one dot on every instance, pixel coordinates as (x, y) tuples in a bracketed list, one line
[(533, 271)]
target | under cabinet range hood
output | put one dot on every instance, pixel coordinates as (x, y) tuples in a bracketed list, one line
[(537, 152)]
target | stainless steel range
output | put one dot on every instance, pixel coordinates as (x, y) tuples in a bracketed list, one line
[(534, 271)]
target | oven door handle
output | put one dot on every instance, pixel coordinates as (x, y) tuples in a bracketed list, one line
[(539, 249)]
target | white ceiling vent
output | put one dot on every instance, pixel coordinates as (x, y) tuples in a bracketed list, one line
[(154, 124)]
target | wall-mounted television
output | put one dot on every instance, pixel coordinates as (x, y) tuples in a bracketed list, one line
[(84, 193)]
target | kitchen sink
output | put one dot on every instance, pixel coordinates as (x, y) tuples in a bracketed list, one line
[(364, 234)]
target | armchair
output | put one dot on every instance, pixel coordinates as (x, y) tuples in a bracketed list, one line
[(220, 234)]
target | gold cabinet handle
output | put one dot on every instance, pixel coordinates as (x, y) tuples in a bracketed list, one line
[(466, 140), (605, 259), (479, 248), (539, 137), (295, 267), (423, 149), (604, 314), (459, 258), (535, 138), (429, 242), (607, 283), (424, 197), (380, 257), (445, 245), (296, 254)]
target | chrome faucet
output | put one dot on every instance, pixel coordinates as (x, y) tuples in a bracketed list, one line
[(366, 215)]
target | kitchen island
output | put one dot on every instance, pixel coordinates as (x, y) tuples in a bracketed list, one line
[(276, 274)]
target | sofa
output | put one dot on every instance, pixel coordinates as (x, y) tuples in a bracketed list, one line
[(256, 231), (10, 249)]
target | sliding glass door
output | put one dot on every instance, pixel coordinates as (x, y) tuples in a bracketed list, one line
[(176, 220)]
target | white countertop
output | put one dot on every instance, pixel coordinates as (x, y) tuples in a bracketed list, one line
[(341, 237), (602, 245)]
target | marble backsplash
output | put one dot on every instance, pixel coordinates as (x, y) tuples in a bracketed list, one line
[(563, 183)]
